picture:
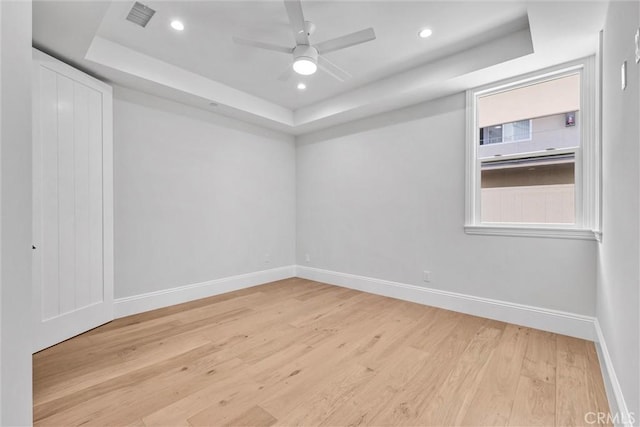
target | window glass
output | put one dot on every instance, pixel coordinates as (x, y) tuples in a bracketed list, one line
[(528, 138), (529, 190)]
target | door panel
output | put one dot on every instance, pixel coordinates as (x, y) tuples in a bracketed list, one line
[(72, 293), (97, 257), (46, 197), (82, 192), (66, 198)]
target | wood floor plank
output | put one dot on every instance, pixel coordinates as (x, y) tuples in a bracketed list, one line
[(256, 417), (380, 342), (82, 364), (339, 305), (310, 370), (540, 357), (493, 400), (436, 329), (339, 387), (320, 290), (137, 394), (534, 403), (284, 374), (595, 383), (82, 375), (299, 352), (234, 401), (417, 394), (218, 402), (378, 394), (573, 397), (463, 380)]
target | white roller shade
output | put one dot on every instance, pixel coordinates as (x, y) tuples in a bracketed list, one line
[(555, 96)]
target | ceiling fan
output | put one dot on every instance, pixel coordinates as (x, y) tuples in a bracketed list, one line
[(307, 57)]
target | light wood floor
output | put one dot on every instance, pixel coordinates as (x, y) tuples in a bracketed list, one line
[(297, 352)]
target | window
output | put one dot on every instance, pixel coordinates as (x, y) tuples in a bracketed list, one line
[(531, 155), (506, 132)]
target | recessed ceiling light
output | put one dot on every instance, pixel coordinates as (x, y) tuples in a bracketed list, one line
[(177, 25), (302, 86), (424, 33)]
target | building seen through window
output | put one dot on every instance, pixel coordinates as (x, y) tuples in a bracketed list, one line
[(528, 139)]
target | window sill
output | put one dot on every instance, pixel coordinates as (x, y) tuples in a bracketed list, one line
[(533, 231)]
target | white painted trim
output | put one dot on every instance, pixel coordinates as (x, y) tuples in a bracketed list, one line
[(528, 231), (130, 61), (617, 404), (140, 303), (575, 325), (60, 67)]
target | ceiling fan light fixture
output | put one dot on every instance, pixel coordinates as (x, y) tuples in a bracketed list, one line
[(305, 60), (305, 66), (177, 25)]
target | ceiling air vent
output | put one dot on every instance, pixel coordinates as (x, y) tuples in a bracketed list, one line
[(140, 14)]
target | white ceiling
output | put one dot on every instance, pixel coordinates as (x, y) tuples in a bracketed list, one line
[(473, 43)]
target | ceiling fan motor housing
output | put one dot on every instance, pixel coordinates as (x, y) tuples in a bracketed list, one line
[(303, 51)]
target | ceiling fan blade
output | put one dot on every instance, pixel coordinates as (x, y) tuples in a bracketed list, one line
[(332, 69), (262, 45), (296, 19), (352, 39), (286, 74)]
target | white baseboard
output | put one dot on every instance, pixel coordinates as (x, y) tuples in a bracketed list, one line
[(560, 322), (617, 404), (140, 303)]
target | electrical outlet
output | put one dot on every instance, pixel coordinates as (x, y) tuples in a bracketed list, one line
[(426, 276), (307, 258)]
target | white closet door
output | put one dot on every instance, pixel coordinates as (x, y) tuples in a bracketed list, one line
[(72, 202)]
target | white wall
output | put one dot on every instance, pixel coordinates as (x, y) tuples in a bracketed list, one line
[(384, 198), (15, 213), (618, 272), (197, 196)]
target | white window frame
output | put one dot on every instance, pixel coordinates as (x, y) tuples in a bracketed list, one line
[(587, 160)]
